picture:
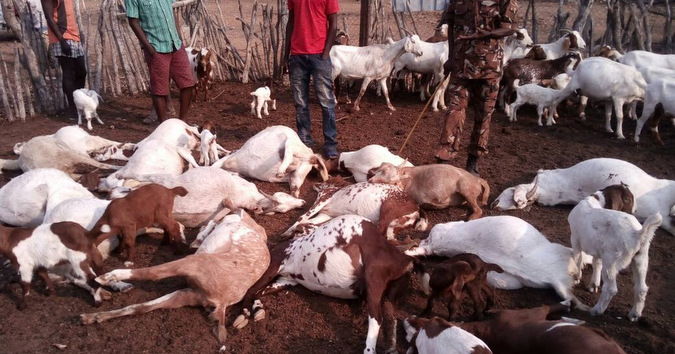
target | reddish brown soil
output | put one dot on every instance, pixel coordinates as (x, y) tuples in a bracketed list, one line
[(303, 322)]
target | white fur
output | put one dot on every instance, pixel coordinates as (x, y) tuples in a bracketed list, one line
[(515, 48), (26, 199), (658, 91), (260, 98), (260, 158), (571, 185), (526, 255), (453, 340), (86, 102), (614, 239), (604, 79), (361, 161), (542, 97), (208, 148), (557, 49), (434, 55), (214, 192), (373, 62)]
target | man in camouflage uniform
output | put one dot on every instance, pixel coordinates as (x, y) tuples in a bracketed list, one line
[(475, 32)]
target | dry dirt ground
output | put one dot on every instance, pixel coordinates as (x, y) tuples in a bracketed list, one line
[(298, 320)]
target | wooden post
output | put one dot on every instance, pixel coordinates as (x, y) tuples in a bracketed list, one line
[(364, 22), (19, 99), (4, 93)]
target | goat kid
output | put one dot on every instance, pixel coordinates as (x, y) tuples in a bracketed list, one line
[(202, 61), (620, 241), (461, 272), (47, 246), (145, 207), (345, 258), (362, 163), (261, 96), (542, 97), (86, 102), (231, 259)]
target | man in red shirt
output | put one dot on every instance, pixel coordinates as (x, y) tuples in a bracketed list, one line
[(311, 28)]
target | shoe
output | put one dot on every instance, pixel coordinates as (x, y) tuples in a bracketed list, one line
[(472, 165), (445, 153), (331, 154), (309, 143)]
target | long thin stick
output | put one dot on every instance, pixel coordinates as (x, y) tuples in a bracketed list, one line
[(420, 116)]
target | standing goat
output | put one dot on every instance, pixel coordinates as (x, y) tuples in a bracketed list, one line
[(542, 97), (260, 98), (373, 62), (203, 63), (86, 102), (614, 239), (658, 101)]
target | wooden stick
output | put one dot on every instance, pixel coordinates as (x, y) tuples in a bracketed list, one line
[(20, 107), (4, 94), (431, 98)]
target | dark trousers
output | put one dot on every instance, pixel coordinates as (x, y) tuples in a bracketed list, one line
[(301, 68), (74, 73)]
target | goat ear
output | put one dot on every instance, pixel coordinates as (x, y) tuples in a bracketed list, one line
[(574, 43), (405, 162), (320, 165)]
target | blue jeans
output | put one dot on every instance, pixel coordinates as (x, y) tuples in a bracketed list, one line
[(301, 67)]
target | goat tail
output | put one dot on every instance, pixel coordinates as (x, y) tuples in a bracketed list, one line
[(491, 267), (516, 83), (485, 193), (9, 165), (180, 191), (649, 227)]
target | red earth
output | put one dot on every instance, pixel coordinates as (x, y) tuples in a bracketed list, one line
[(299, 321)]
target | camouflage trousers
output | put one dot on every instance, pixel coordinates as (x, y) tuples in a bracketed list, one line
[(482, 93)]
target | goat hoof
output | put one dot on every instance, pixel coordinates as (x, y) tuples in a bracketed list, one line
[(105, 294), (240, 322), (593, 289), (87, 318), (221, 333), (129, 264), (595, 311), (259, 315), (633, 317)]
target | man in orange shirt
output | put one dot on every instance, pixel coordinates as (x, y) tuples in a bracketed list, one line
[(65, 45)]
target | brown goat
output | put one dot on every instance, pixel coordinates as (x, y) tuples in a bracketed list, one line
[(146, 206), (437, 186), (529, 331), (63, 247), (233, 256), (464, 271)]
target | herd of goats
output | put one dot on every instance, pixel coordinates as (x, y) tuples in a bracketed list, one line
[(345, 244)]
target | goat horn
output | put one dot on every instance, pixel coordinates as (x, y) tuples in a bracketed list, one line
[(565, 30), (530, 193)]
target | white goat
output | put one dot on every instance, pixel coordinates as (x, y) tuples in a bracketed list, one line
[(614, 239), (26, 199), (214, 192), (542, 97), (373, 62), (526, 255), (436, 335), (260, 98), (642, 58), (276, 154), (516, 46), (208, 148), (434, 55), (572, 40), (571, 185), (363, 162), (86, 102), (659, 91), (601, 78), (47, 152), (175, 132)]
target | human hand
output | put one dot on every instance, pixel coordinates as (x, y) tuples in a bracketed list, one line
[(480, 33), (65, 47), (151, 50)]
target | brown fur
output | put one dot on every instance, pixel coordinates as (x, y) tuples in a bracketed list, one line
[(528, 331), (462, 272), (71, 235), (144, 207), (216, 280), (619, 197)]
